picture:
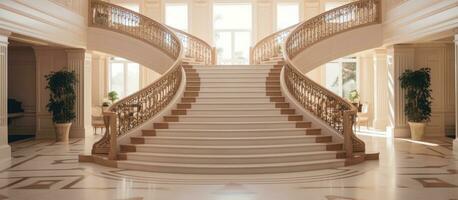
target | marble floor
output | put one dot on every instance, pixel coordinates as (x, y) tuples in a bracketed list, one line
[(42, 169)]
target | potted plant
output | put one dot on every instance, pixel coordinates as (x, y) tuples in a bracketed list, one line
[(113, 96), (62, 97), (418, 98), (105, 105)]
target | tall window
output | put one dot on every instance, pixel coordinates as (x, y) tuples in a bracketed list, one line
[(124, 76), (176, 15), (287, 15), (341, 76), (232, 27)]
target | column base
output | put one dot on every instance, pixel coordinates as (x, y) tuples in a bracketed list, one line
[(81, 132), (380, 124), (398, 132), (455, 146)]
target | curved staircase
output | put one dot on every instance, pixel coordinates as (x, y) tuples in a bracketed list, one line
[(199, 118), (231, 120)]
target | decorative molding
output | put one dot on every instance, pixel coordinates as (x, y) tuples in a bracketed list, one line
[(43, 20)]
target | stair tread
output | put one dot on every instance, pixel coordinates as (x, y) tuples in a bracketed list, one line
[(231, 138), (231, 147), (232, 103), (232, 155), (225, 123), (235, 116), (236, 130), (283, 164), (232, 109)]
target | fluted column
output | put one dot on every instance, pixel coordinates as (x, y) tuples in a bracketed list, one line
[(99, 76), (400, 58), (80, 61), (5, 150), (455, 142), (366, 86), (380, 89)]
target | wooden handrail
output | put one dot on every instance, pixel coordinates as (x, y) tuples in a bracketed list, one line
[(134, 110)]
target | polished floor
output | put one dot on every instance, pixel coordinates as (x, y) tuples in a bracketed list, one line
[(407, 169)]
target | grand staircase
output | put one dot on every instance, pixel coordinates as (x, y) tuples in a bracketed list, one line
[(201, 118), (231, 120)]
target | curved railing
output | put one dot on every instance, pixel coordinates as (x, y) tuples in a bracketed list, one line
[(332, 109), (195, 48), (132, 111), (337, 112), (270, 46)]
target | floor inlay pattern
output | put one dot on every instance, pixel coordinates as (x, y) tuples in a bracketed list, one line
[(42, 169)]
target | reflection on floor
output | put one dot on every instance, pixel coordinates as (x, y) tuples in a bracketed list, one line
[(406, 170)]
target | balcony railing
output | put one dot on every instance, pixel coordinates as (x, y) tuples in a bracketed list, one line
[(196, 49), (269, 47)]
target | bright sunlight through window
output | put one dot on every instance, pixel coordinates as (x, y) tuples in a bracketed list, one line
[(176, 15)]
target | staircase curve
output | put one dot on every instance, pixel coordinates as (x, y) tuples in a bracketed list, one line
[(301, 48)]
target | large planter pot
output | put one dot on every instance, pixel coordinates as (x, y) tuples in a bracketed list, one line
[(62, 131), (417, 130)]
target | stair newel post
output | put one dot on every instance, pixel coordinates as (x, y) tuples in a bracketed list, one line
[(348, 133), (214, 55), (111, 124)]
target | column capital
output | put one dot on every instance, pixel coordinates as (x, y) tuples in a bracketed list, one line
[(4, 37)]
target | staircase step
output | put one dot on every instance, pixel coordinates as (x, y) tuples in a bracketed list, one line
[(233, 111), (228, 150), (231, 125), (220, 83), (224, 67), (227, 105), (230, 168), (232, 89), (230, 141), (230, 75), (232, 118), (231, 70), (232, 133), (240, 99), (229, 159), (231, 94)]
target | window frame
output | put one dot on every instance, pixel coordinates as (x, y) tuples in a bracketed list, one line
[(250, 31), (188, 17), (125, 64), (275, 13)]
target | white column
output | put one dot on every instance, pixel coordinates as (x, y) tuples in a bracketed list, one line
[(99, 83), (366, 82), (455, 142), (380, 89), (5, 150), (80, 61), (400, 58)]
